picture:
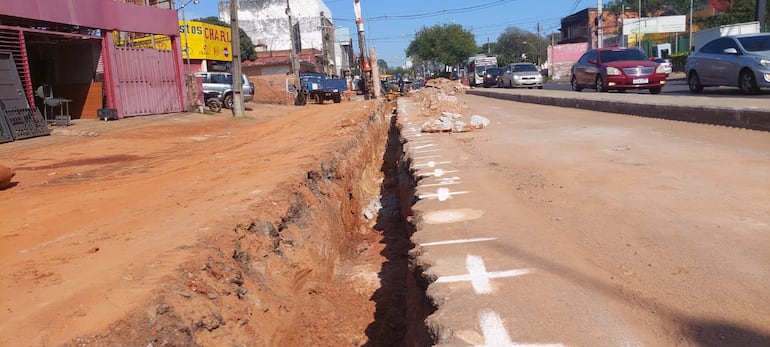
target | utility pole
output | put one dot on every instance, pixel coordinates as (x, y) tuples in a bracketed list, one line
[(690, 37), (361, 46), (599, 38), (639, 26), (762, 14), (489, 49), (537, 46), (293, 56), (237, 72)]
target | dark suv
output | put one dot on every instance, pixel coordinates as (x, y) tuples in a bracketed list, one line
[(221, 84), (491, 77)]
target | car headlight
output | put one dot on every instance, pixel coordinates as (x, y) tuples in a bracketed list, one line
[(613, 71), (660, 69), (516, 77), (763, 61)]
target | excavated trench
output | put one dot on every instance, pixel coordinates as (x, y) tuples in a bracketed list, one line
[(323, 262)]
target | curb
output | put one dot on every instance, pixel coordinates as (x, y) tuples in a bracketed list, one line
[(748, 118)]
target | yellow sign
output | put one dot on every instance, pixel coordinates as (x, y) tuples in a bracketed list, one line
[(205, 41)]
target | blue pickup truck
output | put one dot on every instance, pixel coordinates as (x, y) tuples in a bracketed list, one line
[(319, 87)]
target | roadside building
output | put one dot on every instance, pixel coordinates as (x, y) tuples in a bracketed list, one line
[(209, 46), (86, 54), (266, 23), (344, 51)]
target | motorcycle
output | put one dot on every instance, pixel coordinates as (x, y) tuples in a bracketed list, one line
[(212, 101)]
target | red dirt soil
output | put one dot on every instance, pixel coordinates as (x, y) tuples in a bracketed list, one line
[(190, 229)]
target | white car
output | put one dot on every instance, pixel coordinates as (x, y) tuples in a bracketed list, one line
[(666, 65), (521, 75)]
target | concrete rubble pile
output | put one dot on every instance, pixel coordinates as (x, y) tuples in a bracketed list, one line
[(438, 101)]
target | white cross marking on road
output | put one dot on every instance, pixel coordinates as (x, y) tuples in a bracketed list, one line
[(426, 157), (424, 146), (478, 275), (495, 334), (442, 194), (454, 242), (438, 172), (432, 163)]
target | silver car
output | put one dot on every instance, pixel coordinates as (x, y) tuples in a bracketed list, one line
[(221, 83), (741, 61), (519, 75)]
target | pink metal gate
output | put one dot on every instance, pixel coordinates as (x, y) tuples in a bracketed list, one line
[(147, 82)]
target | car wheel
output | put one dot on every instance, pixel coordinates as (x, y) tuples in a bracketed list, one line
[(600, 85), (693, 81), (510, 84), (574, 84), (655, 90), (747, 83), (228, 101)]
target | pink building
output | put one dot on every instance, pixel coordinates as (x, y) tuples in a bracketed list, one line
[(82, 50)]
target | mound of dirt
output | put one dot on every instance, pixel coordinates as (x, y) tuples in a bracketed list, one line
[(438, 97), (270, 89)]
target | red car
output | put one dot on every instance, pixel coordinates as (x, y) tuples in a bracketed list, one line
[(618, 69)]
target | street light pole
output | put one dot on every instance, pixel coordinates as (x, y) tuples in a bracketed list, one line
[(186, 29)]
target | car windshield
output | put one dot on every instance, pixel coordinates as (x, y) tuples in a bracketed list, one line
[(525, 67), (755, 43), (493, 71), (222, 78), (621, 54), (481, 69)]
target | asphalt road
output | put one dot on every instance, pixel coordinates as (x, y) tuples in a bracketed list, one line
[(564, 227), (673, 87)]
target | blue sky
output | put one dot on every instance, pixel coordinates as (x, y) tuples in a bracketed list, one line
[(391, 35)]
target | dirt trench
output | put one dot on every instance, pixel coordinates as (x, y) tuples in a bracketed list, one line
[(323, 262)]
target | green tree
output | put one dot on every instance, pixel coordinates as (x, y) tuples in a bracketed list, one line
[(514, 42), (247, 46), (449, 44), (382, 65), (487, 47)]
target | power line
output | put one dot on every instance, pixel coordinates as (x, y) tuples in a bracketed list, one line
[(434, 13)]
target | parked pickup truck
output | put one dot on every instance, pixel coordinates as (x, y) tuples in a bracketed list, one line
[(319, 87)]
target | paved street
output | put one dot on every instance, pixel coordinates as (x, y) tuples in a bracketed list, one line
[(556, 226)]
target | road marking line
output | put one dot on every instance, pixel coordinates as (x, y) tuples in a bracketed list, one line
[(426, 157), (439, 172), (442, 194), (404, 111), (439, 184), (427, 151), (424, 146), (478, 275), (495, 334), (454, 242), (432, 163)]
